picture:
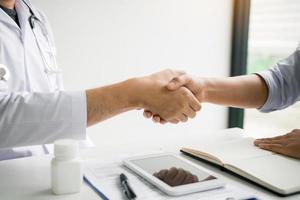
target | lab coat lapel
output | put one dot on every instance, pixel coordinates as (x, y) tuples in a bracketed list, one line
[(8, 20), (23, 15)]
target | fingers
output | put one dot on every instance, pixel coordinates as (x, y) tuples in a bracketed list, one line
[(147, 114), (156, 119), (287, 135), (191, 106), (275, 144), (278, 139), (193, 102), (288, 144), (180, 118), (277, 148), (195, 105), (189, 112), (183, 118), (268, 141), (179, 81), (174, 121), (184, 105), (162, 121)]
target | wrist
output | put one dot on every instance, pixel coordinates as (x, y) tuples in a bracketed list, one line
[(135, 89), (207, 86)]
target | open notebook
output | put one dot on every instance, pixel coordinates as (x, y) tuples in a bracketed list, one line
[(238, 154)]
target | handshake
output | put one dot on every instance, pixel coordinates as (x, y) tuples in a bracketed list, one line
[(166, 96), (170, 96)]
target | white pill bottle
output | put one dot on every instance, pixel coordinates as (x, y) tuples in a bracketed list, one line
[(66, 168)]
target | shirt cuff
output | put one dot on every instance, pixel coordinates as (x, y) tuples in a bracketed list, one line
[(268, 78), (79, 115)]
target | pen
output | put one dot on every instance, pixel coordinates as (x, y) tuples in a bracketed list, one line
[(126, 189), (232, 198)]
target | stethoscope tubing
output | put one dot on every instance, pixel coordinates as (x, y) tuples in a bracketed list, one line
[(33, 20), (49, 68)]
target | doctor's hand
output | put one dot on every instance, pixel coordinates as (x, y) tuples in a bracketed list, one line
[(288, 144), (195, 85), (171, 106)]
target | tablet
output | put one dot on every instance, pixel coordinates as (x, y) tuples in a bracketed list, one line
[(172, 174)]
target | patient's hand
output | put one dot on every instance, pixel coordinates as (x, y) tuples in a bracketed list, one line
[(288, 144), (176, 176)]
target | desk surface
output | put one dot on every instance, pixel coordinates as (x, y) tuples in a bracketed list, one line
[(29, 178)]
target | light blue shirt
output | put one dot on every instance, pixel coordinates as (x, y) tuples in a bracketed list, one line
[(283, 81)]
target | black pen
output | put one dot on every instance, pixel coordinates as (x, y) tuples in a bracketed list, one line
[(126, 189)]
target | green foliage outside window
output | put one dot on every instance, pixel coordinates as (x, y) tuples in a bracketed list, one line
[(258, 62)]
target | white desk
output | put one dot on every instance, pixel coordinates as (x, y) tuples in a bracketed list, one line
[(29, 178)]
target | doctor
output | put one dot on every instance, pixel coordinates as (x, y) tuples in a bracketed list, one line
[(34, 108)]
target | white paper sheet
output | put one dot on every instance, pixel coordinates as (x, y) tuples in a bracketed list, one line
[(105, 177)]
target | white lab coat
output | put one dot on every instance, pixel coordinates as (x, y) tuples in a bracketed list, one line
[(34, 109)]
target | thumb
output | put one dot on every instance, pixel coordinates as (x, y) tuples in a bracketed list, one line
[(178, 82)]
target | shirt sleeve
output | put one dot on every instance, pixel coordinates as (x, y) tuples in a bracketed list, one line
[(283, 81), (41, 118)]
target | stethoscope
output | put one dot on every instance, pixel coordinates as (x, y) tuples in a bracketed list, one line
[(33, 21)]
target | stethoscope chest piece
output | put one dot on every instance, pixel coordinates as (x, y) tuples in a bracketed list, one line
[(4, 73), (31, 20)]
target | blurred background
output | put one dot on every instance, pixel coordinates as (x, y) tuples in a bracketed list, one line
[(100, 42)]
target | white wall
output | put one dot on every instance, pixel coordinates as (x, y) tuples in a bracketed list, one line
[(104, 41)]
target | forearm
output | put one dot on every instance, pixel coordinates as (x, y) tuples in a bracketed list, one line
[(248, 91), (108, 101)]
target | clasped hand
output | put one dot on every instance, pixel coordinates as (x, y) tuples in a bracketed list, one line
[(165, 100), (168, 100)]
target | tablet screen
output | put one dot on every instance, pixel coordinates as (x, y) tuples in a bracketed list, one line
[(172, 170)]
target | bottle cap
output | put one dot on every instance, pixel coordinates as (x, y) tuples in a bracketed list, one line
[(65, 149)]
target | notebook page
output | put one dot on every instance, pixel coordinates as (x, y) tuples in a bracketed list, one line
[(232, 150), (279, 171)]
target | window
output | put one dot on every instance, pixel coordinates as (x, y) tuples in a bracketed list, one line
[(274, 33)]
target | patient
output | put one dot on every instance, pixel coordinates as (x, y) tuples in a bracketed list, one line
[(271, 90)]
